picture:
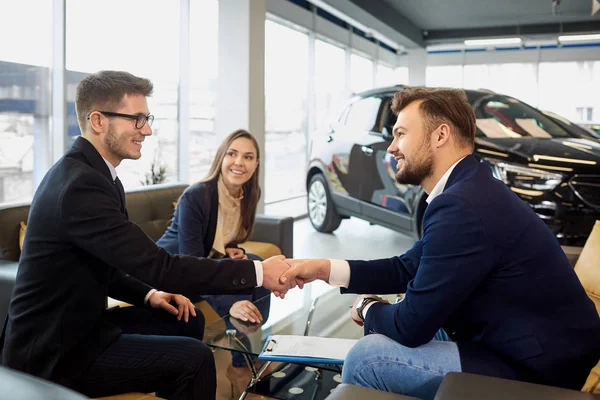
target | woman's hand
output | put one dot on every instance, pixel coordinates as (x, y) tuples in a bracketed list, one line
[(236, 253), (246, 311)]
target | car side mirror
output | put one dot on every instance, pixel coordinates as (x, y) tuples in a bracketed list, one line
[(387, 134)]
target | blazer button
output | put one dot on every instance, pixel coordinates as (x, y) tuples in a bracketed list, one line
[(243, 281), (235, 282)]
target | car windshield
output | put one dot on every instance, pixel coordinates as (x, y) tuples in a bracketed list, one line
[(505, 117)]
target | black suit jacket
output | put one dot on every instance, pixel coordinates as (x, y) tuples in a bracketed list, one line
[(490, 272), (80, 247)]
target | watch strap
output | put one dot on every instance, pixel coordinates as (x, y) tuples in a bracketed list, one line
[(364, 302)]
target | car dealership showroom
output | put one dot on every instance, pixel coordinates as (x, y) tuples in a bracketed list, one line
[(300, 199)]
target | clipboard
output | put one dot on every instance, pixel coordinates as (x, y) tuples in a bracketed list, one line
[(306, 349)]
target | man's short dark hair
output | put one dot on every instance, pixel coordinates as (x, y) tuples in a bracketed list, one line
[(104, 91), (441, 106)]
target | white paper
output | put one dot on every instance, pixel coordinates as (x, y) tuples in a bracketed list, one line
[(310, 346)]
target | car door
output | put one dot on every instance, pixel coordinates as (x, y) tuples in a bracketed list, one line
[(383, 199), (346, 144)]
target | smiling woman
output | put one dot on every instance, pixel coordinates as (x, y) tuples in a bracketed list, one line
[(214, 215)]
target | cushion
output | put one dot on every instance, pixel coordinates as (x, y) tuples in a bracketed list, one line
[(588, 268), (592, 385), (22, 230), (261, 249)]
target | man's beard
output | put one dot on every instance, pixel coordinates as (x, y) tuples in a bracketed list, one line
[(114, 145), (416, 172)]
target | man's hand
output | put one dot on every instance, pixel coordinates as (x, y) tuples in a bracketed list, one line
[(354, 315), (246, 311), (272, 269), (184, 305), (305, 271), (236, 254)]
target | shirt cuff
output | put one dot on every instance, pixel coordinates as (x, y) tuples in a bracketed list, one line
[(150, 293), (259, 273), (339, 274)]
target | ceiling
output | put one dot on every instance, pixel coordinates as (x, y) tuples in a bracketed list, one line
[(453, 20)]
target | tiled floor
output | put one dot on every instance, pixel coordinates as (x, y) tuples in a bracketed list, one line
[(354, 239)]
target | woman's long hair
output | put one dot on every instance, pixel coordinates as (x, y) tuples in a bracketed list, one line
[(251, 188)]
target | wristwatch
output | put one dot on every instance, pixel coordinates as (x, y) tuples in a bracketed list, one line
[(361, 306)]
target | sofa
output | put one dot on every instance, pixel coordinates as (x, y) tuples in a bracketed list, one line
[(151, 207)]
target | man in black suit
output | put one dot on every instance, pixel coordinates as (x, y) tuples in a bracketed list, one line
[(80, 247)]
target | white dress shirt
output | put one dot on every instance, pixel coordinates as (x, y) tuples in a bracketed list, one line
[(339, 275)]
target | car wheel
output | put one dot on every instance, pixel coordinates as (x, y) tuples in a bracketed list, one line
[(321, 211)]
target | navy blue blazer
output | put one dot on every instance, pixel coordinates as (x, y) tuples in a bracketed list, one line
[(192, 229), (490, 272)]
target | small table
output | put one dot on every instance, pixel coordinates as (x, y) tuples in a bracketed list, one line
[(232, 334)]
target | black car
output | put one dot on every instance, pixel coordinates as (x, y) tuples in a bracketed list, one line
[(552, 169)]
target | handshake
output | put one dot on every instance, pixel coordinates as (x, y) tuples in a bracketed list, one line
[(281, 274)]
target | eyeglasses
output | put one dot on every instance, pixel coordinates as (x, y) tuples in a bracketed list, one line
[(140, 120)]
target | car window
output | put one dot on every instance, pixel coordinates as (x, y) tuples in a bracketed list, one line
[(574, 129), (363, 114), (505, 117)]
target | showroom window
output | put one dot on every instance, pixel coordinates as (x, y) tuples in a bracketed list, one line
[(361, 74), (518, 80), (385, 75), (570, 89), (330, 82), (401, 75), (146, 46), (25, 95), (286, 122), (204, 32)]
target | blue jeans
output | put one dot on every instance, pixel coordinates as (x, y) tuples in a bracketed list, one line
[(379, 362)]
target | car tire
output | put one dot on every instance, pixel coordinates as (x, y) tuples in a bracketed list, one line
[(321, 211)]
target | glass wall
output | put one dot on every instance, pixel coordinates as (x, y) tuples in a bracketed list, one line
[(571, 89), (204, 32), (361, 73), (143, 38), (330, 82), (401, 75), (25, 93), (148, 48), (386, 76), (516, 79), (286, 111)]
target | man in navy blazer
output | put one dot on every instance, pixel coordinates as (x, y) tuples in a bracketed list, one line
[(487, 270)]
